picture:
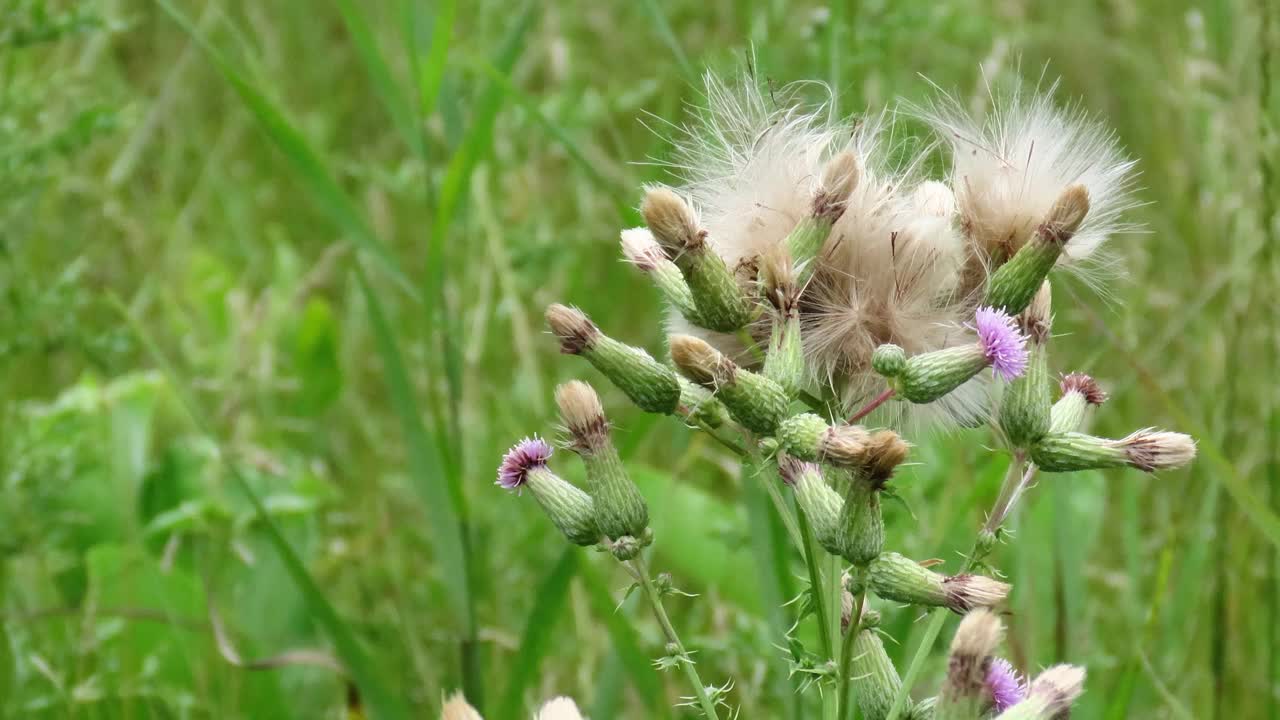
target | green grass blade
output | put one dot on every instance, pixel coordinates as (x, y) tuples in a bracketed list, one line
[(441, 494), (667, 36), (384, 84), (383, 704), (429, 71), (550, 601), (291, 143)]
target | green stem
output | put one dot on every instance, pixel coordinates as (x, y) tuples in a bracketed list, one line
[(846, 652), (816, 586), (1013, 478), (686, 662), (731, 445)]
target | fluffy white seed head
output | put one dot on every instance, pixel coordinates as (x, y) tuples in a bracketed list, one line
[(1010, 168), (1057, 688), (755, 165)]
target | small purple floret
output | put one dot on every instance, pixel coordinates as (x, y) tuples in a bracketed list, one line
[(1004, 346), (527, 454), (1006, 685)]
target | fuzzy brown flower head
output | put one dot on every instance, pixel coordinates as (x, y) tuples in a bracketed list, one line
[(1085, 385), (574, 329), (672, 221)]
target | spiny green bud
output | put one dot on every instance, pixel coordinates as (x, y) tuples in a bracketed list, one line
[(894, 577), (805, 241), (652, 386), (861, 522), (1025, 408), (571, 509), (1050, 696), (965, 693), (784, 363), (1079, 391), (809, 437), (1147, 450), (889, 360), (755, 401), (873, 677), (718, 297), (820, 503), (698, 405), (929, 376), (641, 250), (1013, 284), (620, 508)]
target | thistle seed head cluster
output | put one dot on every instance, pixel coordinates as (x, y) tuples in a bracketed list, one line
[(805, 270)]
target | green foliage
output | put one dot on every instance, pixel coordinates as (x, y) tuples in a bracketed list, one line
[(340, 222)]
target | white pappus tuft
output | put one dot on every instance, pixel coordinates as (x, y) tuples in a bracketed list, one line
[(752, 164), (1009, 168)]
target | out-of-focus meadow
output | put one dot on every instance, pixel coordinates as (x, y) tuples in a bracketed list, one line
[(298, 251)]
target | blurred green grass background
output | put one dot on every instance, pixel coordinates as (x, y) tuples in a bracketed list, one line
[(273, 276)]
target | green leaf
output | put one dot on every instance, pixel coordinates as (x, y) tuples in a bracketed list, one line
[(367, 677), (534, 644)]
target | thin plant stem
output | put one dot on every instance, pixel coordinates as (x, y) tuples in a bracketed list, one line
[(816, 585), (846, 652), (750, 344), (726, 442), (879, 400), (641, 572), (1013, 478)]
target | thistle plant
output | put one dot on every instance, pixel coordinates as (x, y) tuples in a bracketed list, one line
[(823, 300)]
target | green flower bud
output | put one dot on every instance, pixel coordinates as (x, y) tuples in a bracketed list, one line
[(889, 360), (861, 522), (641, 249), (755, 401), (1147, 450), (897, 578), (698, 405), (965, 693), (1079, 391), (1025, 408), (620, 508), (929, 376), (806, 240), (626, 547), (809, 437), (784, 362), (719, 300), (820, 503), (1013, 284), (873, 678), (652, 386), (1050, 695), (570, 509)]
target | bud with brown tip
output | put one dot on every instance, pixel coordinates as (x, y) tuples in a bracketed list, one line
[(784, 362), (620, 508), (754, 400), (1079, 391), (1025, 407), (1050, 696), (652, 386), (898, 578), (965, 694), (804, 243), (1013, 285), (641, 250), (719, 300), (1147, 450)]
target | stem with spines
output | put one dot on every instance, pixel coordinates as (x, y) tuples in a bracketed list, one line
[(641, 573)]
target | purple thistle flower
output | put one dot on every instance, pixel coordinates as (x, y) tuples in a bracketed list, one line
[(527, 454), (1004, 346), (1006, 685)]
